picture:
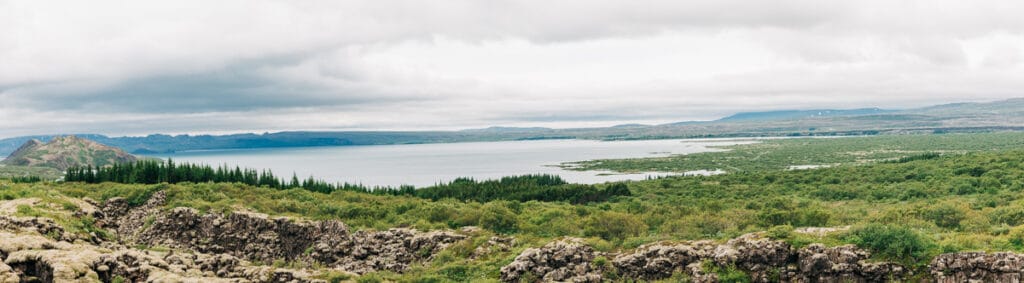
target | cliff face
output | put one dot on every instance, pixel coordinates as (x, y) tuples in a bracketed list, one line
[(151, 244), (64, 152)]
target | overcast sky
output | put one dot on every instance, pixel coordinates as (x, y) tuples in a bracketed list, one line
[(137, 67)]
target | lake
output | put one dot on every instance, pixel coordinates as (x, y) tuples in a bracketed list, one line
[(428, 164)]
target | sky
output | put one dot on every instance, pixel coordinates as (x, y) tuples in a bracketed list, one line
[(139, 67)]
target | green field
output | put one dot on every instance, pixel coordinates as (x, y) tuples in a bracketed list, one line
[(904, 210), (780, 154)]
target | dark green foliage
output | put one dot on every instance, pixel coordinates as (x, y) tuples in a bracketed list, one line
[(521, 188), (944, 215), (497, 217), (925, 156), (892, 242), (1012, 216), (28, 179), (518, 188), (726, 274), (155, 172)]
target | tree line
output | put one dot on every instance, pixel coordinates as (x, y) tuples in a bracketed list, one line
[(518, 188)]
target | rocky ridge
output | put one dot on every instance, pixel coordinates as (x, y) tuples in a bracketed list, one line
[(192, 247), (762, 259), (183, 245)]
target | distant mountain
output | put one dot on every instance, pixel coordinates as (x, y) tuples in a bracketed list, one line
[(949, 118), (66, 151), (634, 125), (801, 114), (508, 129), (1008, 106)]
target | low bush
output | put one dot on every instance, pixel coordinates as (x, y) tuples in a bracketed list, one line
[(613, 226), (890, 242)]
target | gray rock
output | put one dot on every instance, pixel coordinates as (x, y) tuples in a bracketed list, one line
[(977, 267), (256, 237), (763, 259), (567, 260)]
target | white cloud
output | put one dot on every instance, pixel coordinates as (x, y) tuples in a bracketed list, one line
[(134, 67)]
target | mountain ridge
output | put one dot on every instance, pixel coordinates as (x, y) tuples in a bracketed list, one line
[(946, 118), (813, 113)]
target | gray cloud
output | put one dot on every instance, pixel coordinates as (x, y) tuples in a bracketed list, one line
[(131, 67)]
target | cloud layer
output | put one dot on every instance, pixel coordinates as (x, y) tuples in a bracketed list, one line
[(137, 67)]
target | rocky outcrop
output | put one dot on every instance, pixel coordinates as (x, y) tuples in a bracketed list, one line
[(139, 266), (661, 260), (42, 226), (567, 260), (818, 263), (759, 256), (977, 267), (257, 237), (762, 259), (118, 215), (188, 246), (260, 238), (392, 250)]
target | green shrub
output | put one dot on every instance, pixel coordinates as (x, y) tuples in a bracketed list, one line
[(600, 262), (799, 217), (729, 274), (370, 278), (944, 215), (498, 218), (780, 232), (613, 226), (1009, 215), (891, 242), (699, 226), (457, 273), (1016, 236)]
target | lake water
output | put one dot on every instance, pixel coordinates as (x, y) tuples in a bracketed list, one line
[(428, 164)]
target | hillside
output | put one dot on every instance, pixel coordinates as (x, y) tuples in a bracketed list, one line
[(921, 219), (959, 117), (68, 151), (798, 114)]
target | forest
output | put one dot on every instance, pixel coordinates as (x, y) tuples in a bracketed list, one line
[(518, 188)]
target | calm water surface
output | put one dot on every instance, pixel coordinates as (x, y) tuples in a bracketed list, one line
[(428, 164)]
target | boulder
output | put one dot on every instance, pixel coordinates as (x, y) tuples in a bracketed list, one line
[(847, 263), (977, 267), (567, 260), (661, 260), (759, 256)]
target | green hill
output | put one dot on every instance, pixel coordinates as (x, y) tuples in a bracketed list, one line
[(63, 152)]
